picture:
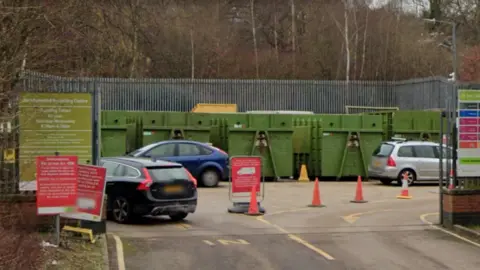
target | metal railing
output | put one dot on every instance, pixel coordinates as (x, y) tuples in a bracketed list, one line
[(312, 95)]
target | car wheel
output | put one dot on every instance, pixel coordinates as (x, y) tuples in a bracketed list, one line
[(210, 178), (121, 210), (386, 182), (411, 177), (178, 216)]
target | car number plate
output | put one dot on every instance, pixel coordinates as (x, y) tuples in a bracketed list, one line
[(173, 189), (377, 163)]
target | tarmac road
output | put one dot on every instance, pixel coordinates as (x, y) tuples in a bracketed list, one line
[(384, 233)]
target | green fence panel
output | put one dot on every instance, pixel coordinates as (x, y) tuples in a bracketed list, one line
[(348, 142)]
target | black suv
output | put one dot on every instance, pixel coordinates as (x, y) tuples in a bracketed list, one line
[(138, 187)]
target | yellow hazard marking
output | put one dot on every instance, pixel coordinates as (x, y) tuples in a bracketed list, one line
[(88, 232), (233, 242), (9, 155), (226, 242), (183, 226)]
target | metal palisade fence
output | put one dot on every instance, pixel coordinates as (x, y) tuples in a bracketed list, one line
[(184, 94)]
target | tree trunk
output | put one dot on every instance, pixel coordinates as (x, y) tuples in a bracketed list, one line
[(275, 30), (347, 45), (294, 37), (254, 34), (192, 49), (364, 49)]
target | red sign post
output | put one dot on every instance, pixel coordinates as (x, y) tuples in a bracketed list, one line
[(90, 190), (56, 184)]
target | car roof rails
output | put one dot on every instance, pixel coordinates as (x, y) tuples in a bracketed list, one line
[(398, 139)]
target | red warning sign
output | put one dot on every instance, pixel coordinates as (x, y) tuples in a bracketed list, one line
[(56, 184), (246, 172)]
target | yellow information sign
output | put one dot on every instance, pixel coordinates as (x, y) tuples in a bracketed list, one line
[(53, 123), (9, 155)]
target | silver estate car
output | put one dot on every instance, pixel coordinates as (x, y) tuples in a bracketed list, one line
[(419, 160)]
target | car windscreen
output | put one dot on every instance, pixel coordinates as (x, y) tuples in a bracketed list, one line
[(161, 174), (383, 150)]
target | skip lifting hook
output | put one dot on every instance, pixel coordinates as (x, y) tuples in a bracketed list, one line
[(353, 140), (261, 141)]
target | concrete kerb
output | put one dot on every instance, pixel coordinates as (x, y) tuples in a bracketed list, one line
[(466, 232), (106, 259)]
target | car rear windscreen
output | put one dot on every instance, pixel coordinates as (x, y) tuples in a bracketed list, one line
[(383, 150), (167, 173)]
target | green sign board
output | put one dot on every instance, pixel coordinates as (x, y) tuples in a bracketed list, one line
[(468, 95), (53, 123)]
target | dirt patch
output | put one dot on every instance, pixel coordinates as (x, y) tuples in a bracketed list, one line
[(76, 254), (20, 250)]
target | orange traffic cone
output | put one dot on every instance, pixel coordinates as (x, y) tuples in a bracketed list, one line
[(450, 180), (253, 207), (404, 193), (316, 202), (359, 192)]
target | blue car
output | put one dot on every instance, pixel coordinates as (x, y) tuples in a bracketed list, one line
[(208, 164)]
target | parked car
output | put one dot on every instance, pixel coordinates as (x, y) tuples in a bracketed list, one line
[(138, 187), (419, 160), (207, 163)]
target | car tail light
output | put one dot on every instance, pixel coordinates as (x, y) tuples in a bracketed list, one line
[(145, 184), (191, 178), (391, 162)]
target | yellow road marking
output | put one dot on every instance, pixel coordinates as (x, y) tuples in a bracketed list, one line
[(297, 238), (226, 242), (354, 217), (423, 218), (310, 246), (119, 250), (183, 226), (298, 209), (288, 211), (210, 243)]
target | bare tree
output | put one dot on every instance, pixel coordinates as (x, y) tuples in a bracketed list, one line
[(364, 47), (294, 36), (298, 39), (254, 35), (275, 30)]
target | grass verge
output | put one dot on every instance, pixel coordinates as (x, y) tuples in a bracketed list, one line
[(475, 228)]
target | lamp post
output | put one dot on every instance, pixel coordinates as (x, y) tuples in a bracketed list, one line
[(451, 118)]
